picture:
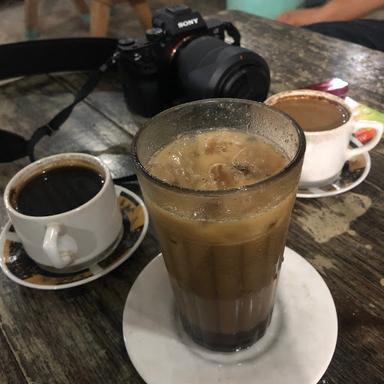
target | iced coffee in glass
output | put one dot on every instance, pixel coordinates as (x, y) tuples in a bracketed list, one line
[(219, 178)]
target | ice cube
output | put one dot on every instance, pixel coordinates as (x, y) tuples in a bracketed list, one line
[(224, 175)]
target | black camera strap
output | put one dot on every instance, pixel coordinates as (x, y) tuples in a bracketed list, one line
[(47, 56), (54, 124), (54, 55)]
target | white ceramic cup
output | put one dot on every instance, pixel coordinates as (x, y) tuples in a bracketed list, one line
[(327, 151), (71, 240)]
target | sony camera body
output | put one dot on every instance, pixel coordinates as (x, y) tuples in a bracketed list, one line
[(183, 58)]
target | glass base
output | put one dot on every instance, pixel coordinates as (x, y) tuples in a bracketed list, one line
[(221, 342)]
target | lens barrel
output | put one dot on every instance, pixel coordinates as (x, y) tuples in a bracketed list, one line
[(208, 67)]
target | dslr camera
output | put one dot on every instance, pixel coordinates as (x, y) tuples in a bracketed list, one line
[(184, 57)]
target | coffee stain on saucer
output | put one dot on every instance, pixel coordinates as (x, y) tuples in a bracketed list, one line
[(334, 218)]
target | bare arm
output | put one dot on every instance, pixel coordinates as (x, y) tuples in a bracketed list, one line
[(333, 10)]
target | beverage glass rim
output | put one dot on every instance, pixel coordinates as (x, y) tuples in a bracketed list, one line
[(314, 93), (292, 163), (47, 160)]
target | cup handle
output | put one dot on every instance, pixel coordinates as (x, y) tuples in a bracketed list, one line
[(372, 143), (59, 256)]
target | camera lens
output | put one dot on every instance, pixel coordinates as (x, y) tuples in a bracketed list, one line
[(209, 67)]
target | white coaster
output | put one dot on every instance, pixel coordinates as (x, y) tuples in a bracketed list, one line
[(297, 347)]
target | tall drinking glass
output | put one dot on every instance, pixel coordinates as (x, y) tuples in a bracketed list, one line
[(223, 249)]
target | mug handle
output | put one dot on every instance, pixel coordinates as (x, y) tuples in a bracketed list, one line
[(372, 143), (58, 257)]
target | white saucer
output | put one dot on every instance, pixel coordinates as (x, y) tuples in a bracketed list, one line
[(353, 173), (19, 267), (296, 349)]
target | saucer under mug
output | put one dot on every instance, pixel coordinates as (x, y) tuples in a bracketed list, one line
[(354, 172), (19, 267)]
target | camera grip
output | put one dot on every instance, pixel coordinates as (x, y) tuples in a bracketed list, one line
[(143, 92)]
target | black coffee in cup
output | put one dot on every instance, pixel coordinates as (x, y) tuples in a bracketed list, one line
[(57, 190)]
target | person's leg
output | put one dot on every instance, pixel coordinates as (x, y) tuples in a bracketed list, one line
[(82, 7), (31, 14), (99, 18), (368, 33), (143, 12)]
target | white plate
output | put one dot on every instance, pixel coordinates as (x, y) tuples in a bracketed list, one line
[(19, 267), (296, 349), (354, 172)]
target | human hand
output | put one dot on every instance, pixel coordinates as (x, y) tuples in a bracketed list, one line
[(299, 17)]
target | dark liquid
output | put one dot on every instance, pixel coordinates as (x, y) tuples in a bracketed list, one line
[(226, 342), (313, 114), (225, 294), (57, 190)]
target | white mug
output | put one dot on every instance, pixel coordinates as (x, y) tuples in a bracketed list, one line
[(327, 151), (72, 240)]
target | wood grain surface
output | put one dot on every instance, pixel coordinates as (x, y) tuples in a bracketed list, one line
[(75, 335)]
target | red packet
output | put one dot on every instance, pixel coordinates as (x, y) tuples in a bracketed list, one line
[(336, 86), (365, 134)]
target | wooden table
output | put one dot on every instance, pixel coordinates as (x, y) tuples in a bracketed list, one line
[(75, 335)]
